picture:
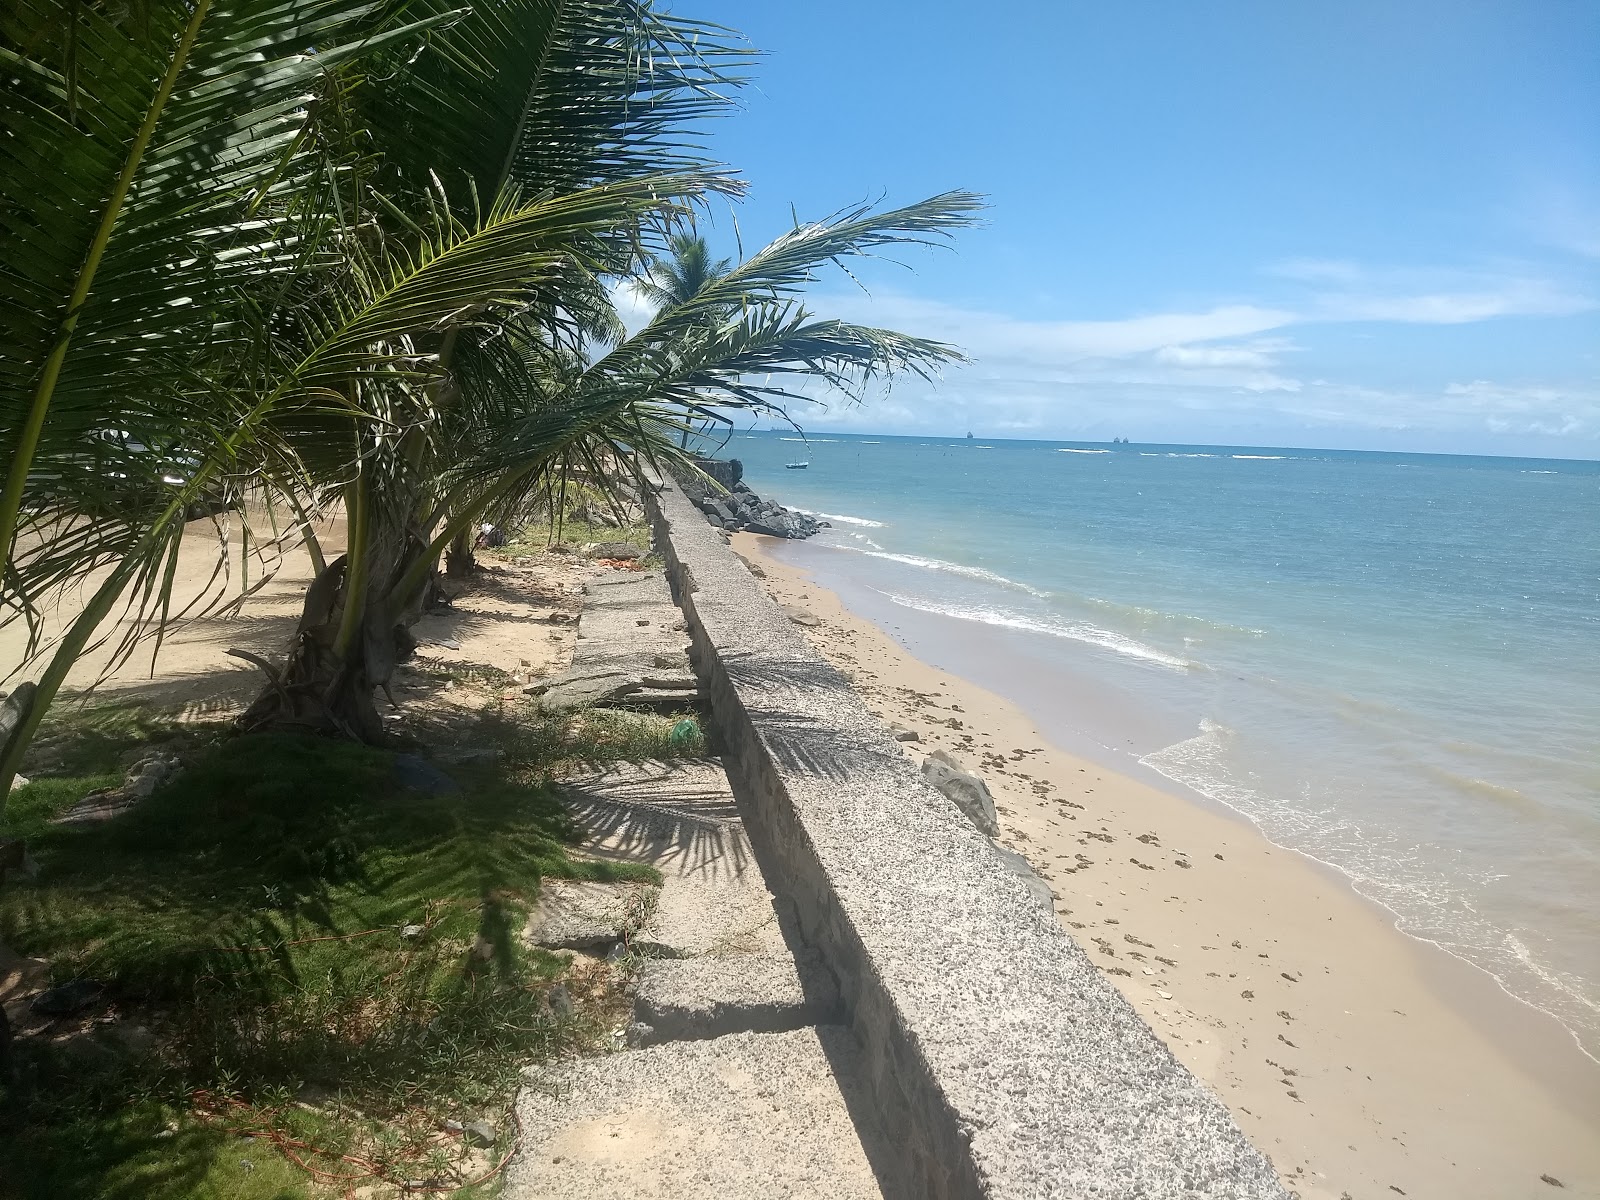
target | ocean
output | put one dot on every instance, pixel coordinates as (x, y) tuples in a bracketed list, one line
[(1389, 662)]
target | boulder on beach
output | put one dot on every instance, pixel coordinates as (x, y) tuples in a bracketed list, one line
[(964, 789)]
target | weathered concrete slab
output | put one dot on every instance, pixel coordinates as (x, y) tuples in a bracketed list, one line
[(754, 1116), (1000, 1062), (679, 817), (631, 650), (719, 957), (706, 997), (576, 915)]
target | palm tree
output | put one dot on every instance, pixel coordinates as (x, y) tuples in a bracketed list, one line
[(678, 276), (371, 275), (189, 200)]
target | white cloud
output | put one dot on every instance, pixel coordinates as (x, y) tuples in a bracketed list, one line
[(1220, 373), (1346, 291), (1262, 356)]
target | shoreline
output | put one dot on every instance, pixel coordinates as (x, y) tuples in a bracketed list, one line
[(1365, 1062)]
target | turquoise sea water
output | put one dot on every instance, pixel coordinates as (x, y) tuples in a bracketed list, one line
[(1390, 662)]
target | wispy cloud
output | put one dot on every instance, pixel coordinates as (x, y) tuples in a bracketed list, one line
[(1336, 291), (1223, 372)]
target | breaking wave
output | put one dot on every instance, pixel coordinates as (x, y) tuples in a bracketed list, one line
[(1077, 631)]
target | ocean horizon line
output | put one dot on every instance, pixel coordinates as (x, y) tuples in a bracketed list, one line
[(827, 436)]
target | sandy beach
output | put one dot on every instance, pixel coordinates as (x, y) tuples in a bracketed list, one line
[(1366, 1064)]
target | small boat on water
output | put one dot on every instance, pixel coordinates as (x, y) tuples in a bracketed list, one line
[(799, 466)]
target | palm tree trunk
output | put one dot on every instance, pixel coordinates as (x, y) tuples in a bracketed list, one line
[(460, 560), (351, 633)]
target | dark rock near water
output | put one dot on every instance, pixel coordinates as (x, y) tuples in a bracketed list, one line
[(738, 508)]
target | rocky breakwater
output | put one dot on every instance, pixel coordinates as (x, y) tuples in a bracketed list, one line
[(738, 509)]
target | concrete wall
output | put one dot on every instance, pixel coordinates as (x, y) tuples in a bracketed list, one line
[(1000, 1062)]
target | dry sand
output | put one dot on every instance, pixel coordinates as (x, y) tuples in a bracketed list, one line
[(1365, 1063), (501, 619)]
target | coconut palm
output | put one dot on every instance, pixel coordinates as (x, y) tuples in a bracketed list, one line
[(203, 277), (678, 276), (371, 275)]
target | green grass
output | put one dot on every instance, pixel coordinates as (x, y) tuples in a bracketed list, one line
[(534, 539), (249, 915)]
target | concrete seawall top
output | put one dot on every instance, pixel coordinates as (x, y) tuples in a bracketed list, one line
[(1000, 1062)]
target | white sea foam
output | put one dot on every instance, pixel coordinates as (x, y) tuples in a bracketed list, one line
[(1172, 454), (1076, 631), (844, 517), (950, 568), (1070, 450), (1426, 904), (1261, 457)]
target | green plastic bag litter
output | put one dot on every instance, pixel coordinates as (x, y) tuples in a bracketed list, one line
[(686, 732)]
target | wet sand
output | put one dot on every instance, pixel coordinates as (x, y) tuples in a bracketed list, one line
[(1365, 1063)]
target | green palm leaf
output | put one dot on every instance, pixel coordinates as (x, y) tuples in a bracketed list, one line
[(135, 153)]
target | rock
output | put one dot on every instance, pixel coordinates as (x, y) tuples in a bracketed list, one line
[(479, 1133), (902, 734), (412, 932), (726, 471), (453, 1127), (595, 514), (146, 777), (68, 998), (560, 1001), (18, 781), (133, 1039), (800, 616), (585, 687), (580, 916), (965, 790), (622, 550), (417, 773), (1023, 870)]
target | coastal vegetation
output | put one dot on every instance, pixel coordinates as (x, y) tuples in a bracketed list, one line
[(272, 267), (268, 261), (301, 948)]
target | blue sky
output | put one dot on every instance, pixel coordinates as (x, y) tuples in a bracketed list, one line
[(1368, 224)]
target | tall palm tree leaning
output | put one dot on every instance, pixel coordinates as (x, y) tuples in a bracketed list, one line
[(369, 276)]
